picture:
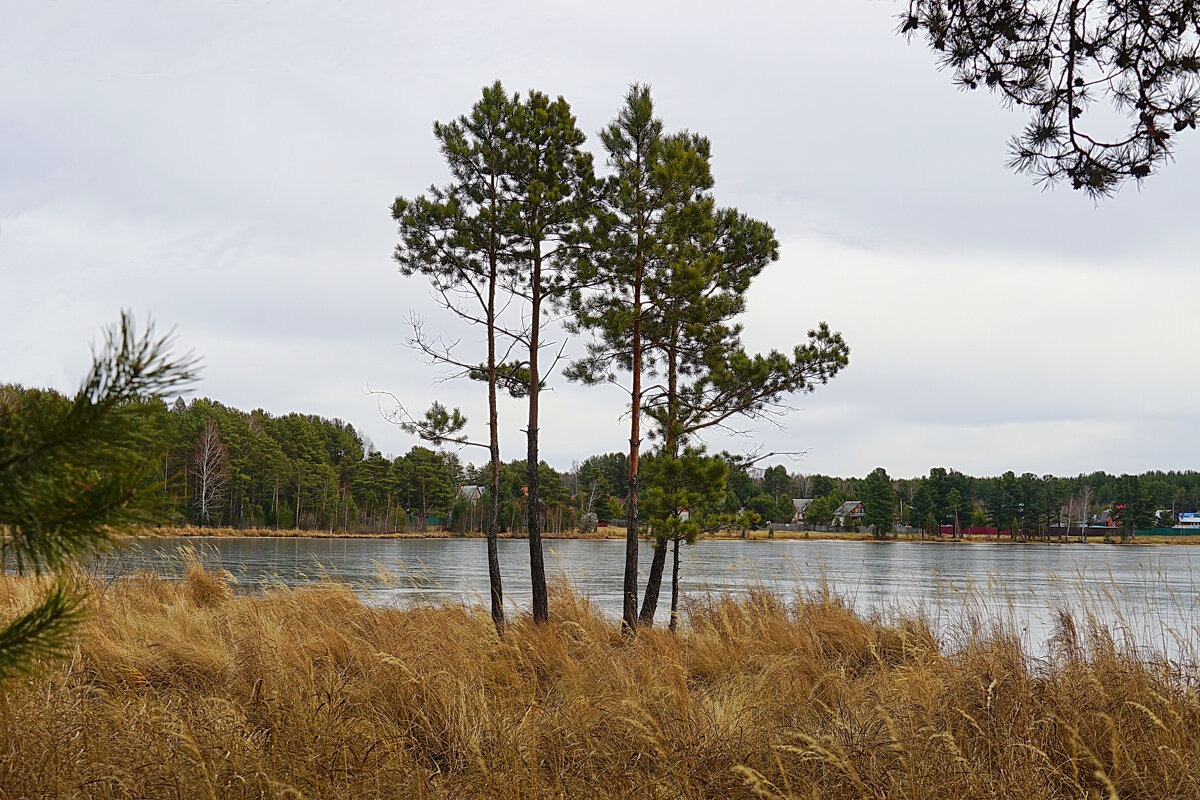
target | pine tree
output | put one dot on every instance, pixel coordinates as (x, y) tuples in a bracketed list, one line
[(636, 229), (458, 236), (705, 376), (553, 195), (75, 472), (879, 503)]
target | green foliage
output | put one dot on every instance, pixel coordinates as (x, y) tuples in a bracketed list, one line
[(879, 503), (609, 508), (776, 482), (1003, 501), (784, 510), (73, 472), (764, 505), (823, 485), (683, 494), (612, 469), (438, 425), (821, 510), (922, 507), (1135, 506), (738, 481), (428, 476)]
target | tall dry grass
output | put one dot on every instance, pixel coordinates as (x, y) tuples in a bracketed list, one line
[(185, 689)]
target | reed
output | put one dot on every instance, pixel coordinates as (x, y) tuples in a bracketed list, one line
[(186, 688)]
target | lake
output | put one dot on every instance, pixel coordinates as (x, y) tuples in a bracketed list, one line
[(1151, 590)]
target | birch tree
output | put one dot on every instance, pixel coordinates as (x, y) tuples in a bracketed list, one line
[(210, 471)]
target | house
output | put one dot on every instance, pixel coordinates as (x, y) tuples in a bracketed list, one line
[(470, 494), (849, 510), (800, 505)]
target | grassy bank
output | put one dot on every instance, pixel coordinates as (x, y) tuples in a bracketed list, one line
[(182, 689)]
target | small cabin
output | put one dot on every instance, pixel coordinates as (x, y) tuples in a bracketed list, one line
[(799, 506)]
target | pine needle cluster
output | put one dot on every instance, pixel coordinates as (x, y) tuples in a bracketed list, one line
[(73, 472)]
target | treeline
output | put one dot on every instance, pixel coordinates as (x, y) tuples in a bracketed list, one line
[(223, 467), (219, 466), (946, 497)]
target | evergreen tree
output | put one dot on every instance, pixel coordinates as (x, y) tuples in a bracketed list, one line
[(821, 510), (776, 482), (1135, 506), (922, 507), (1002, 502), (705, 376), (430, 483), (553, 187), (879, 503), (823, 485), (683, 497), (634, 233), (955, 501), (458, 236)]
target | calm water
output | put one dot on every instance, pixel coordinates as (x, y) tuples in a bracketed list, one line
[(1152, 590)]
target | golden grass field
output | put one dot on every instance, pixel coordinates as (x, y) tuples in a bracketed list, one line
[(183, 689)]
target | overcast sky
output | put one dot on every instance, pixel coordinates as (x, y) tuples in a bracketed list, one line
[(228, 167)]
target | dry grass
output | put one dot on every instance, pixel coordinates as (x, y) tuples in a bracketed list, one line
[(186, 689)]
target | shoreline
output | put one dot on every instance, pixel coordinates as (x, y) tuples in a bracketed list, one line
[(618, 534)]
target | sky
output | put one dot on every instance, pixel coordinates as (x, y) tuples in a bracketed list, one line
[(227, 168)]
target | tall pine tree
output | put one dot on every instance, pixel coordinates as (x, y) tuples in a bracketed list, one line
[(553, 194), (458, 236), (643, 202)]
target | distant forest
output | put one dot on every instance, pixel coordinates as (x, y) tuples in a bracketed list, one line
[(220, 466)]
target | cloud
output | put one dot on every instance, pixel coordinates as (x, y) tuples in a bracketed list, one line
[(229, 167)]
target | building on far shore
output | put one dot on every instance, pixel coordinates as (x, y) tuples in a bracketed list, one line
[(800, 505), (849, 510), (471, 494)]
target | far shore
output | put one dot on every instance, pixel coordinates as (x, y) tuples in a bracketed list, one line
[(619, 533)]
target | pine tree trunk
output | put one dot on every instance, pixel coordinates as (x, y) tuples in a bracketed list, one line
[(670, 448), (629, 610), (537, 567), (493, 510), (653, 583), (674, 586)]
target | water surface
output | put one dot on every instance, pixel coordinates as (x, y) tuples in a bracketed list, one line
[(1150, 590)]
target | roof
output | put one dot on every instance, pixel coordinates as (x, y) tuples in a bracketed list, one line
[(469, 492), (800, 504), (848, 507)]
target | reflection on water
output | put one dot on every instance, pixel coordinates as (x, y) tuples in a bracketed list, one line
[(1151, 590)]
